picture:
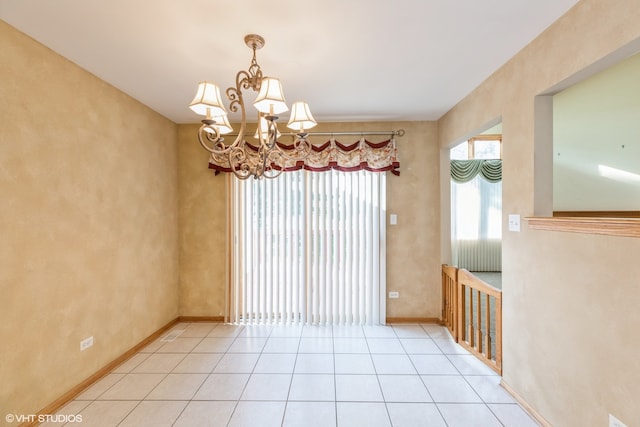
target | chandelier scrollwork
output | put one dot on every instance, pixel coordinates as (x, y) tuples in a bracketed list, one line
[(269, 159)]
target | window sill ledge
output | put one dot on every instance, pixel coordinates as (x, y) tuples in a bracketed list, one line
[(626, 227)]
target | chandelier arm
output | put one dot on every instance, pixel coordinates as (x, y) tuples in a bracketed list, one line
[(212, 136), (305, 151), (261, 139), (272, 134), (237, 158), (243, 80), (277, 158), (301, 150)]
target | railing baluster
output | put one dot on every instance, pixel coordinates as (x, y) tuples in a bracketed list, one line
[(487, 337), (472, 333), (450, 299), (499, 332), (462, 311), (463, 302), (479, 323)]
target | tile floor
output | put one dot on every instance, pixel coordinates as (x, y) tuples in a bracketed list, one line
[(224, 375)]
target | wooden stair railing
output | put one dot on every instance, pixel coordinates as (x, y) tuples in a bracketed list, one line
[(472, 333), (450, 299), (472, 311)]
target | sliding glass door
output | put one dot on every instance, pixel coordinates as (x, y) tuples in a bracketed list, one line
[(309, 247)]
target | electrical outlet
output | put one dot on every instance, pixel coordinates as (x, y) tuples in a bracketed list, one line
[(614, 422), (394, 294), (86, 343)]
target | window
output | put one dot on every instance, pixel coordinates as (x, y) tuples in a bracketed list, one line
[(478, 147), (309, 247), (476, 204)]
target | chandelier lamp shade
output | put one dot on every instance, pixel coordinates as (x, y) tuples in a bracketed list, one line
[(270, 100), (301, 117), (269, 159), (207, 101)]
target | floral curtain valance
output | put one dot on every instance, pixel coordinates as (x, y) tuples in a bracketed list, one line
[(361, 155), (465, 170)]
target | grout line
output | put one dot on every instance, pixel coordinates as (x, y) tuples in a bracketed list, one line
[(322, 339)]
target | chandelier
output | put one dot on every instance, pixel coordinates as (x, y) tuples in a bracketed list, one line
[(244, 160)]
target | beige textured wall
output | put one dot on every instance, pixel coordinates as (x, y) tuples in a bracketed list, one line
[(88, 223), (570, 300), (413, 246), (202, 229)]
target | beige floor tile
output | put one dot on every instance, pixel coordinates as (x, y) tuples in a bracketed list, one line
[(310, 414), (347, 331), (131, 363), (312, 387), (226, 331), (433, 364), (275, 364), (206, 414), (197, 330), (354, 364), (159, 363), (512, 415), (267, 387), (358, 388), (415, 414), (410, 331), (247, 345), (314, 364), (489, 389), (466, 415), (153, 347), (106, 413), (403, 388), (387, 364), (420, 346), (450, 389), (213, 345), (154, 414), (102, 385), (282, 345), (385, 346), (241, 363), (198, 363), (132, 387), (350, 345), (69, 413), (229, 375), (316, 345), (361, 414), (315, 331), (177, 387), (222, 387), (468, 364), (180, 345), (264, 414)]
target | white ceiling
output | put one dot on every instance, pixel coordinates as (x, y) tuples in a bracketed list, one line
[(351, 60)]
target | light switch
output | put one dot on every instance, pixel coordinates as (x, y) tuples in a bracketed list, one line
[(393, 219), (514, 222)]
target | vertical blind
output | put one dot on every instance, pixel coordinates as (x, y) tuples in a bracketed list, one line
[(309, 247), (476, 224)]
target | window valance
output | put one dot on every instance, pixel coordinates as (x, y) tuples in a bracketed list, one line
[(361, 155), (465, 170)]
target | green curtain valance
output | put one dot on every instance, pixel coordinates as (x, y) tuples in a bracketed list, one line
[(465, 170)]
